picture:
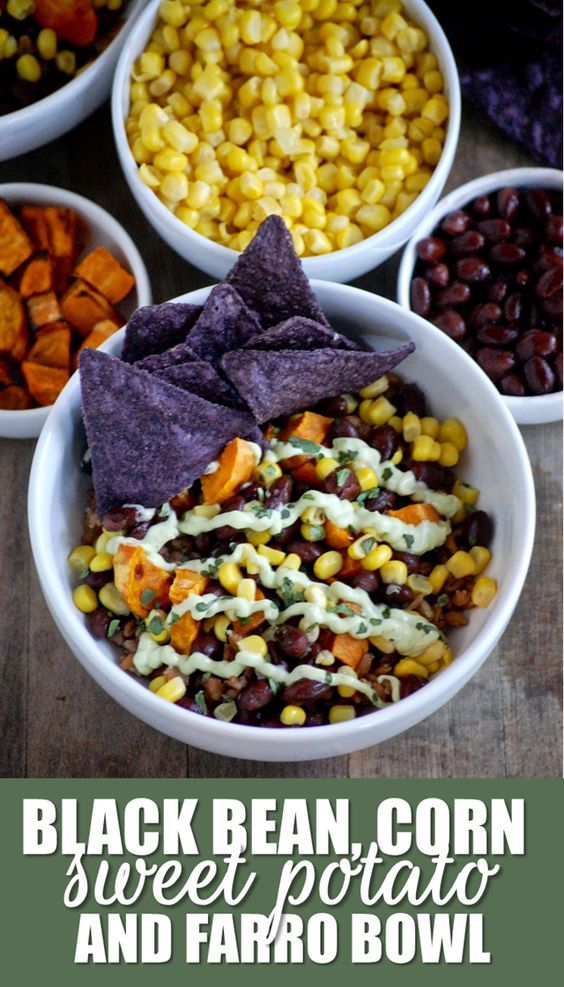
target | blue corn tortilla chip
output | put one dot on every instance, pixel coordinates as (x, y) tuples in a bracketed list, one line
[(281, 383), (200, 378), (298, 333), (155, 328), (224, 324), (148, 439), (270, 279), (177, 355)]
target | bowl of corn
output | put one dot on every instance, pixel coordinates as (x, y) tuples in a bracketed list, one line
[(49, 117), (495, 462), (342, 118)]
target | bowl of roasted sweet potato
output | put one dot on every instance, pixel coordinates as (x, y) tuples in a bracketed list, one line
[(70, 276)]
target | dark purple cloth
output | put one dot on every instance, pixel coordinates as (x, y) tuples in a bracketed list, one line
[(509, 57)]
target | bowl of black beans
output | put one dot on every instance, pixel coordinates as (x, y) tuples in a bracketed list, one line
[(486, 268)]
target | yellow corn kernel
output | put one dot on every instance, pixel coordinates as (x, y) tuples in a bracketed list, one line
[(430, 427), (437, 577), (394, 572), (328, 565), (461, 564), (102, 563), (173, 12), (408, 666), (179, 137), (341, 714), (436, 110), (349, 236), (292, 561), (383, 645), (85, 599), (156, 627), (255, 644), (366, 477), (293, 716), (103, 539), (432, 150), (376, 558), (173, 690), (433, 653), (411, 427), (425, 449), (375, 217), (28, 68), (373, 191), (312, 532), (230, 575), (361, 547), (47, 43), (267, 473), (273, 555), (208, 511), (347, 691), (221, 626), (452, 430), (397, 424), (449, 454), (174, 186), (170, 160), (419, 584), (376, 412), (81, 557), (156, 683), (467, 494), (305, 176), (354, 149), (481, 556), (111, 598), (417, 182), (239, 161), (257, 537), (325, 466), (483, 591), (393, 69), (247, 589), (318, 242), (368, 73)]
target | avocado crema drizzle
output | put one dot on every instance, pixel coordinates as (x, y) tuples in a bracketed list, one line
[(407, 631)]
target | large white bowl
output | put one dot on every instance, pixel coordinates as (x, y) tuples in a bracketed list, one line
[(100, 230), (342, 265), (496, 462), (29, 128), (533, 410)]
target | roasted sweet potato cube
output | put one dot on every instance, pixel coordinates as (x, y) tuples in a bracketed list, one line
[(44, 383), (13, 323), (15, 245), (37, 276), (52, 347), (35, 222), (14, 399), (44, 309), (83, 307), (100, 333), (142, 584), (6, 377), (102, 271)]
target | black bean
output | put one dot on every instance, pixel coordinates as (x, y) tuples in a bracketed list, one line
[(487, 312), (534, 342), (451, 323), (538, 203), (477, 529), (539, 375), (209, 645), (342, 428), (431, 249), (438, 275), (420, 296), (99, 621), (457, 293), (456, 222), (305, 691), (333, 407), (474, 269), (280, 492), (368, 581), (98, 579), (434, 476), (308, 551), (467, 243), (343, 483), (507, 253), (496, 363), (513, 385), (255, 696), (495, 230), (385, 500), (384, 438), (398, 596), (507, 202), (497, 335), (292, 642)]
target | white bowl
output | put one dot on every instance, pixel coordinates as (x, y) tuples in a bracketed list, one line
[(100, 230), (29, 128), (342, 265), (496, 462), (526, 411)]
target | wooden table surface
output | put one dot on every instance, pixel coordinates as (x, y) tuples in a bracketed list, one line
[(56, 722)]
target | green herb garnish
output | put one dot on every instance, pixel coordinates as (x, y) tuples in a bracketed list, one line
[(367, 495), (342, 477), (147, 597), (311, 448), (226, 711), (113, 626), (361, 629), (368, 544), (408, 539), (200, 607), (201, 702), (341, 608), (155, 626), (442, 599), (387, 473)]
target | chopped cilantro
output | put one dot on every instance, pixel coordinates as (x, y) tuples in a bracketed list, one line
[(113, 626), (311, 448), (368, 544), (261, 511), (408, 539), (386, 613), (361, 629), (200, 607), (201, 701), (342, 477), (426, 628), (341, 608), (84, 573), (226, 711), (289, 593), (274, 685), (375, 621), (285, 513), (367, 495), (442, 599), (387, 473), (174, 617), (328, 678), (155, 626), (245, 620), (346, 456), (307, 496), (472, 540), (147, 597)]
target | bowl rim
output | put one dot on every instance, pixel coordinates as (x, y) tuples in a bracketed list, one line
[(28, 114), (549, 405), (211, 730), (88, 210), (313, 264)]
